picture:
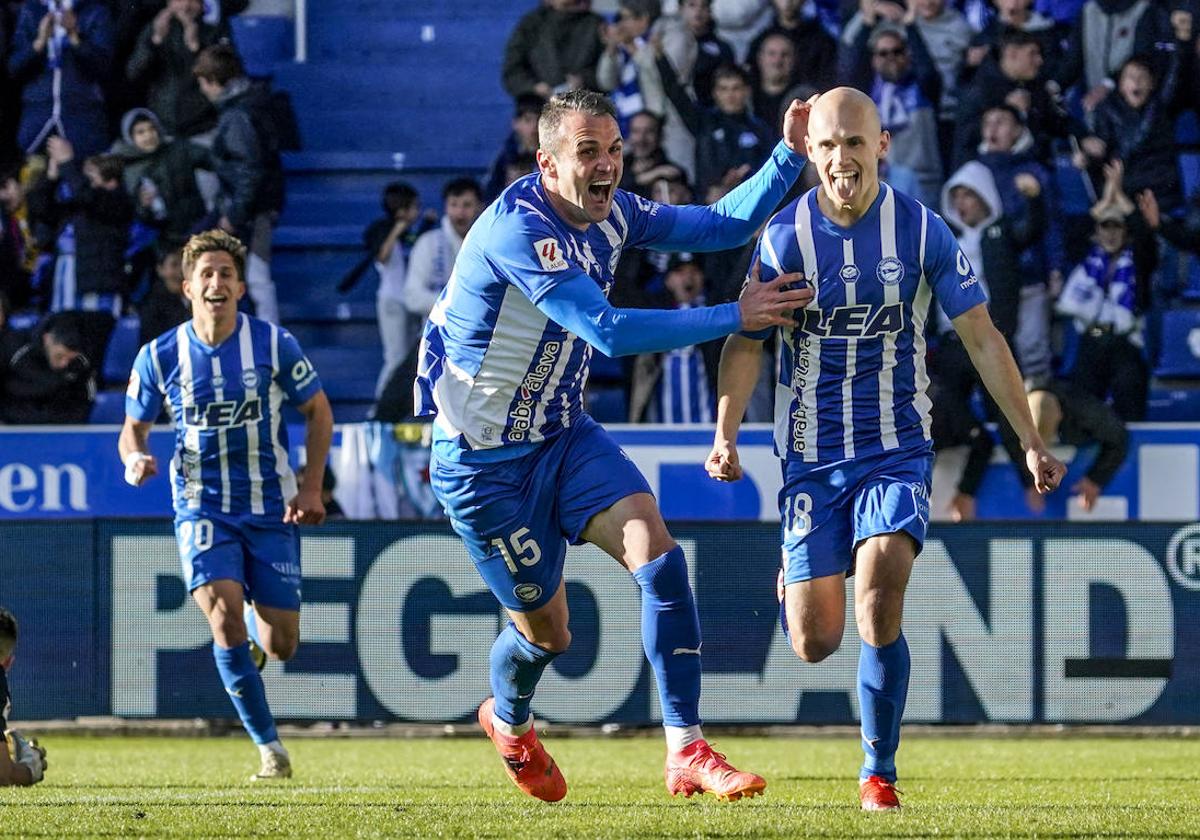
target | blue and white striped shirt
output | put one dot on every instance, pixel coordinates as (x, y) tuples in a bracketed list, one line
[(852, 377), (231, 444)]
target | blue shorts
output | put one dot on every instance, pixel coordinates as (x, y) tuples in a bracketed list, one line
[(261, 554), (828, 510), (516, 516)]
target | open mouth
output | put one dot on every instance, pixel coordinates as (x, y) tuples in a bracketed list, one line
[(845, 183), (600, 191), (215, 300)]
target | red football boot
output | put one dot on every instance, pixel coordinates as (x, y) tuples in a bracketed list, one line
[(878, 794), (525, 760), (697, 768)]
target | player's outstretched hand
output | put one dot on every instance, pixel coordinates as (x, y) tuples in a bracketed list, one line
[(722, 463), (1047, 470), (770, 304), (27, 753), (795, 123), (305, 509)]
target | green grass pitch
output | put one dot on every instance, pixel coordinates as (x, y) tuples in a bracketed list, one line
[(367, 787)]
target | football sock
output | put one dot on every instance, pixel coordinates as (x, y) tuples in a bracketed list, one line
[(679, 737), (517, 665), (882, 690), (252, 624), (272, 747), (512, 730), (244, 686), (671, 636)]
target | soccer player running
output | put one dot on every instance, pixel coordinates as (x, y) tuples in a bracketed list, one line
[(851, 411), (519, 466), (224, 377)]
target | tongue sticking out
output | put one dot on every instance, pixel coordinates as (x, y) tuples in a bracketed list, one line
[(844, 186)]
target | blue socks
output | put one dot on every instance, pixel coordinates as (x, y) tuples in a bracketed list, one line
[(882, 690), (244, 686), (517, 665), (671, 636)]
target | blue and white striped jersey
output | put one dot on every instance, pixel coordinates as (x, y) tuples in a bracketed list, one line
[(499, 375), (852, 377), (231, 444)]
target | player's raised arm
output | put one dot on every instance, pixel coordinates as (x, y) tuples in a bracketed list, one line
[(736, 217)]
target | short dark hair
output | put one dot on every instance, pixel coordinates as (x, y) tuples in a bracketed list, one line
[(729, 70), (584, 101), (211, 241), (398, 194), (219, 63), (458, 186), (8, 633), (66, 332), (110, 167), (643, 8), (658, 121), (529, 103), (1017, 38)]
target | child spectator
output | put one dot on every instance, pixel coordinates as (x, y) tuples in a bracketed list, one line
[(91, 214), (388, 241)]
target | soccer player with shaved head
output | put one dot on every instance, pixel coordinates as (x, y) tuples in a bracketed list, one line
[(852, 415), (519, 466)]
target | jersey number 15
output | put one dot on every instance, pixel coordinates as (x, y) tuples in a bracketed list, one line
[(520, 547)]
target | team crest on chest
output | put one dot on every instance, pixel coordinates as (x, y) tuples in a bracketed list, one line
[(249, 379), (890, 271), (849, 273)]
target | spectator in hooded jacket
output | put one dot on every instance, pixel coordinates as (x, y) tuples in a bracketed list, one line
[(162, 61), (61, 58), (247, 163), (160, 175), (48, 380)]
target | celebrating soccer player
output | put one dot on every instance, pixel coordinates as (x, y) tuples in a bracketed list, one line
[(522, 470), (224, 377), (851, 412)]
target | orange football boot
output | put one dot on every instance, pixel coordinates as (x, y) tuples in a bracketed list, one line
[(525, 759), (697, 768)]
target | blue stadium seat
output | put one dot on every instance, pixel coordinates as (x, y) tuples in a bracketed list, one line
[(108, 409), (1180, 357), (1173, 402), (1189, 172), (606, 369), (122, 348), (263, 41)]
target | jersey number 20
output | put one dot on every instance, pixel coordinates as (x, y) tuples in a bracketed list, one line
[(519, 548)]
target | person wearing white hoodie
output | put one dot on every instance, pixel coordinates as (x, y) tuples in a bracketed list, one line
[(434, 253), (992, 242)]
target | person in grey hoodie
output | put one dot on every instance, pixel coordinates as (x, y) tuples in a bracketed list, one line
[(160, 175)]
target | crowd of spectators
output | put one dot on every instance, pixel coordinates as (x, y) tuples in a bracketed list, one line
[(1044, 131), (124, 128)]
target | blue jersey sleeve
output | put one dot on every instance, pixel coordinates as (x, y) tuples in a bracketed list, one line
[(581, 308), (143, 397), (949, 271), (527, 252), (296, 376), (716, 227)]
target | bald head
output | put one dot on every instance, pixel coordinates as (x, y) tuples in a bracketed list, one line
[(845, 144), (847, 108)]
